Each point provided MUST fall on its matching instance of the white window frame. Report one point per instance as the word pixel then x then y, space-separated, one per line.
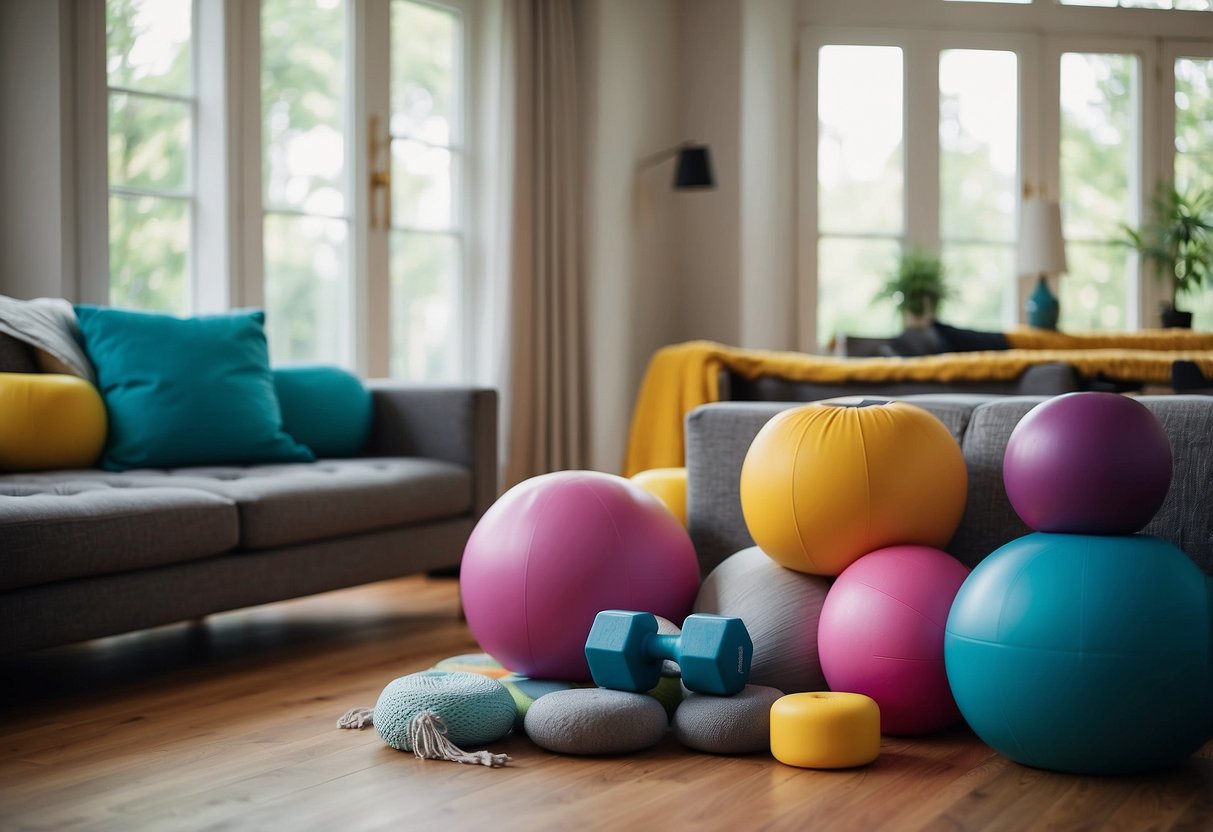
pixel 227 237
pixel 913 24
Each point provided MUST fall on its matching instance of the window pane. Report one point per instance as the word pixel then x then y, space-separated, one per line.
pixel 307 289
pixel 424 57
pixel 425 306
pixel 147 45
pixel 1093 294
pixel 1099 150
pixel 1193 120
pixel 860 166
pixel 1098 143
pixel 303 53
pixel 850 273
pixel 421 186
pixel 978 144
pixel 148 142
pixel 980 277
pixel 148 240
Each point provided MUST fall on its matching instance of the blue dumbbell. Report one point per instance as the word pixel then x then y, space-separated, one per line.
pixel 625 652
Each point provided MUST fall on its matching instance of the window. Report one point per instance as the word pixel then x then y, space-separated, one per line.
pixel 355 234
pixel 1092 107
pixel 305 185
pixel 1194 151
pixel 861 182
pixel 151 105
pixel 1100 113
pixel 427 241
pixel 979 181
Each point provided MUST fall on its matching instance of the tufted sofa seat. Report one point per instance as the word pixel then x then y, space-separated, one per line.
pixel 87 553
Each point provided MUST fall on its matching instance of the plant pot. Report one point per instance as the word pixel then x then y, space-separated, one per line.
pixel 909 320
pixel 1174 318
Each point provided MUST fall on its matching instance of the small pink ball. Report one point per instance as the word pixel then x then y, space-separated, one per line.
pixel 881 634
pixel 557 549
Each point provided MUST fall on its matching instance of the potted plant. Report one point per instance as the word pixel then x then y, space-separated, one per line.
pixel 1177 241
pixel 918 286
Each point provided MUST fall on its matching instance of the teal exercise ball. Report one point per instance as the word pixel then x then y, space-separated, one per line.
pixel 1084 653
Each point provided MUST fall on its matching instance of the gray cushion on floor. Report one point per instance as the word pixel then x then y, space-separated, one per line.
pixel 596 721
pixel 280 505
pixel 70 528
pixel 739 724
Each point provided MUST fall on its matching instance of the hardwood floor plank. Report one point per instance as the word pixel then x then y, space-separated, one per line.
pixel 231 725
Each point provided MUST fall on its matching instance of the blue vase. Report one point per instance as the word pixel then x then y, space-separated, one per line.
pixel 1042 307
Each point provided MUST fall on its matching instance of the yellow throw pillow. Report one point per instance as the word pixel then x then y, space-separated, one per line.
pixel 49 421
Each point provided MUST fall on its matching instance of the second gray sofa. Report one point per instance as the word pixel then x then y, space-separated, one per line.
pixel 718 436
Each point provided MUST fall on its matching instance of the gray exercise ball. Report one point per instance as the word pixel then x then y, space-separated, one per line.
pixel 780 608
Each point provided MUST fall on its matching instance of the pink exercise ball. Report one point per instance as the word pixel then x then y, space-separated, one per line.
pixel 555 550
pixel 881 634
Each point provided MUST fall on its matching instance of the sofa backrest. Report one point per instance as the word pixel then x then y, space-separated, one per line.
pixel 719 435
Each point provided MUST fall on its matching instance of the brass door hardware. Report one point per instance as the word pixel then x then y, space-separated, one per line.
pixel 380 178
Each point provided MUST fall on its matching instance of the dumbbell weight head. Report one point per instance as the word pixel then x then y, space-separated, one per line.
pixel 625 652
pixel 715 654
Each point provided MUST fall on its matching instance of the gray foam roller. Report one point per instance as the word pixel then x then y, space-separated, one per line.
pixel 780 608
pixel 596 721
pixel 738 724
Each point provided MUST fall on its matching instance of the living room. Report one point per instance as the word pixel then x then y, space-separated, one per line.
pixel 481 194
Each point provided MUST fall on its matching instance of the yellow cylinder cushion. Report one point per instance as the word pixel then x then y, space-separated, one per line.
pixel 49 421
pixel 825 729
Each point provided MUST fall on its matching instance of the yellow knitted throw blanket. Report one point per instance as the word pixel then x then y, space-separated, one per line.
pixel 681 377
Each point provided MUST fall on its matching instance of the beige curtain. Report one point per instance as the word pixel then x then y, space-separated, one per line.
pixel 546 394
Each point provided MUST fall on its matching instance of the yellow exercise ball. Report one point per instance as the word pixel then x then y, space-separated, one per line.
pixel 668 485
pixel 824 484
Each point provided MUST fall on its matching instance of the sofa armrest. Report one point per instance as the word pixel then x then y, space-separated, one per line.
pixel 452 424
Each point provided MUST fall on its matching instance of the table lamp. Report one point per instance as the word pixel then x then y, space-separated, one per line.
pixel 1042 251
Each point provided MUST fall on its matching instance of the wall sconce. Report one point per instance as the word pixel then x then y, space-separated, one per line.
pixel 693 170
pixel 1042 251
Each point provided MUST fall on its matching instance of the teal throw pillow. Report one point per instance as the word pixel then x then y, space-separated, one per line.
pixel 186 391
pixel 325 408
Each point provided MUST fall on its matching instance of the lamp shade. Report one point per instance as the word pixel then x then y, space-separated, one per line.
pixel 694 168
pixel 1042 249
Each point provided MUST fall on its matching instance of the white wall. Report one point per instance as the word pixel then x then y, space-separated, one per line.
pixel 767 267
pixel 628 79
pixel 37 191
pixel 709 232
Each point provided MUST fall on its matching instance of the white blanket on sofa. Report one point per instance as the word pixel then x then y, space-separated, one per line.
pixel 49 326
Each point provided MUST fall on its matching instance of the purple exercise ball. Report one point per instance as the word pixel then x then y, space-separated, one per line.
pixel 1088 463
pixel 557 549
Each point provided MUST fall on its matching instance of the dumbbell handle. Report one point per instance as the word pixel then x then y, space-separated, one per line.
pixel 663 646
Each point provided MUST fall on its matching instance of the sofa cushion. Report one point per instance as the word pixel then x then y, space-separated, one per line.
pixel 186 391
pixel 70 525
pixel 281 505
pixel 989 520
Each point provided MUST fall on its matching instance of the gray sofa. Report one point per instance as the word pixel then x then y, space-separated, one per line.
pixel 718 436
pixel 89 553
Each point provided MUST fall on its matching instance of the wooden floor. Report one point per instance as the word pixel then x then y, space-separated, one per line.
pixel 229 724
